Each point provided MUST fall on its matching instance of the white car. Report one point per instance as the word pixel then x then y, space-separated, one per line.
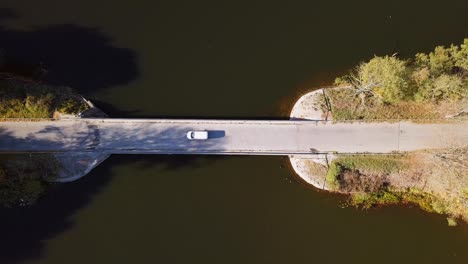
pixel 197 135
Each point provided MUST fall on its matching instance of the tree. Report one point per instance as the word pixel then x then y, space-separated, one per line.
pixel 444 87
pixel 461 55
pixel 438 62
pixel 382 77
pixel 443 60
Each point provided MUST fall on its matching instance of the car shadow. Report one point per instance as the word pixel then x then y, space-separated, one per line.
pixel 216 133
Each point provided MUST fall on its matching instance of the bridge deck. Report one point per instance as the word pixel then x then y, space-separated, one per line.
pixel 226 136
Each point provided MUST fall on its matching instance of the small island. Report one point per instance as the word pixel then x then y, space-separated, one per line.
pixel 427 88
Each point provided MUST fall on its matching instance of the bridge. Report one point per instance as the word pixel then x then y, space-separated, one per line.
pixel 226 137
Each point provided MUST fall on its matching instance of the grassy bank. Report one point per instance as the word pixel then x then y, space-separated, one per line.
pixel 346 106
pixel 363 173
pixel 436 181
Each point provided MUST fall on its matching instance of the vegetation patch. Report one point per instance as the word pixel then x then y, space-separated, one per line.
pixel 434 180
pixel 451 221
pixel 386 196
pixel 334 172
pixel 19 99
pixel 374 164
pixel 359 173
pixel 24 177
pixel 429 86
pixel 346 106
pixel 368 200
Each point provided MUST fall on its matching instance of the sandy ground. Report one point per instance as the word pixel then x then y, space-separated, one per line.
pixel 311 170
pixel 308 107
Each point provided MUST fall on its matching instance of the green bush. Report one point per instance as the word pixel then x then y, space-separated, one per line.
pixel 443 60
pixel 451 221
pixel 425 201
pixel 390 78
pixel 437 77
pixel 438 62
pixel 461 55
pixel 367 200
pixel 387 87
pixel 72 106
pixel 445 87
pixel 333 173
pixel 417 197
pixel 25 100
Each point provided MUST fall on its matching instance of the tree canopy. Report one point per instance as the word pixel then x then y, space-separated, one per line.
pixel 388 76
pixel 433 77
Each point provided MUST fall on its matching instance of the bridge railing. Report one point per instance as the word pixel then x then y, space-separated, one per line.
pixel 233 121
pixel 7 119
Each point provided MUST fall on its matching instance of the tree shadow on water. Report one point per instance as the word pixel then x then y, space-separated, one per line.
pixel 80 57
pixel 26 230
pixel 86 60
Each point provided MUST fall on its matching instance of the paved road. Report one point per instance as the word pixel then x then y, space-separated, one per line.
pixel 167 136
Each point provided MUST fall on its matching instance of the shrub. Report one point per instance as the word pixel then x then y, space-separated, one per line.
pixel 444 87
pixel 390 75
pixel 72 106
pixel 390 88
pixel 24 100
pixel 367 200
pixel 451 221
pixel 461 55
pixel 24 177
pixel 333 173
pixel 438 62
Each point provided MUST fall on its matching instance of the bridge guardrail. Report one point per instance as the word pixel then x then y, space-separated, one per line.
pixel 175 120
pixel 8 119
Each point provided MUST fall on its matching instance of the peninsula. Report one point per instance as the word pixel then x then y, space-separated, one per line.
pixel 431 88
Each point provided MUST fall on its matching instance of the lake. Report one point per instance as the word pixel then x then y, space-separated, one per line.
pixel 216 59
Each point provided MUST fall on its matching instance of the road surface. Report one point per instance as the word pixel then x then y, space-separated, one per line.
pixel 226 137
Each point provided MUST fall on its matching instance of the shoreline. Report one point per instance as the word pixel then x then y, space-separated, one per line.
pixel 431 191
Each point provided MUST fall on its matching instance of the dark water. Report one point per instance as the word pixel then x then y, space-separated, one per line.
pixel 215 59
